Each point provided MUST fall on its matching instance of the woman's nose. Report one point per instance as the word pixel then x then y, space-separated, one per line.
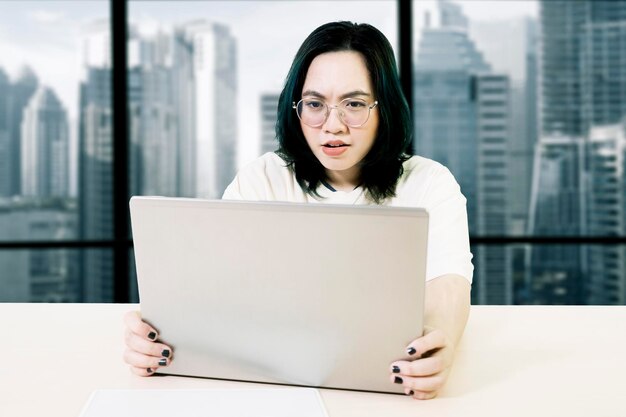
pixel 333 121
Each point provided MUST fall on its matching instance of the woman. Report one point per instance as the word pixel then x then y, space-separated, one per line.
pixel 344 133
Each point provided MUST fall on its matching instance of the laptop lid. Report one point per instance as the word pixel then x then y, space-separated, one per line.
pixel 301 294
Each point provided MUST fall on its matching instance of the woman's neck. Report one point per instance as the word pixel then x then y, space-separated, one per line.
pixel 346 180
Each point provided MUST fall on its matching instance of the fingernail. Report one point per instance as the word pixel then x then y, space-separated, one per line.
pixel 166 353
pixel 410 393
pixel 395 369
pixel 411 350
pixel 152 336
pixel 398 380
pixel 149 370
pixel 163 362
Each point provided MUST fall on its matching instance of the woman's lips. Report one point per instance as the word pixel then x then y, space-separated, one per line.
pixel 334 148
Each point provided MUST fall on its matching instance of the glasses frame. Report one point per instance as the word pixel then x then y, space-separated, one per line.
pixel 329 107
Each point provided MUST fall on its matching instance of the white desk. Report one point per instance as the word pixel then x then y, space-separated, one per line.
pixel 513 361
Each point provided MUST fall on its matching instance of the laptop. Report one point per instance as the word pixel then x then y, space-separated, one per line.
pixel 312 295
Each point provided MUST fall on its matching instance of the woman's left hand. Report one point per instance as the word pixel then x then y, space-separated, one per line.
pixel 427 372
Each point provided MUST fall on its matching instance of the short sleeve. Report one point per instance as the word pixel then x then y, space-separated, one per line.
pixel 448 235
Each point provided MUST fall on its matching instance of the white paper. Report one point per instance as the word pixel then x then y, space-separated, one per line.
pixel 287 402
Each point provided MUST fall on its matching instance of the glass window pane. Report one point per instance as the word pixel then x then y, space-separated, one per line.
pixel 204 79
pixel 56 275
pixel 531 126
pixel 552 274
pixel 55 128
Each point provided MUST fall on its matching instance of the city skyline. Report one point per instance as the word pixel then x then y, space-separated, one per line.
pixel 528 162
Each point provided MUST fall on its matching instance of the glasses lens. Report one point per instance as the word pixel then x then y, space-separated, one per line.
pixel 312 112
pixel 354 112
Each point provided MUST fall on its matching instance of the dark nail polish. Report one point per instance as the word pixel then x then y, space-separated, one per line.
pixel 152 336
pixel 398 380
pixel 149 370
pixel 411 350
pixel 165 353
pixel 410 393
pixel 395 369
pixel 163 362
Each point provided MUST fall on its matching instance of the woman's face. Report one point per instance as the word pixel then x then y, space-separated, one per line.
pixel 331 78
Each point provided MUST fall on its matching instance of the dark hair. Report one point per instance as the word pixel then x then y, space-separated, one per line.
pixel 382 166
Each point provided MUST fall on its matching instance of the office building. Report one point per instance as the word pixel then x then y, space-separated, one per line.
pixel 606 213
pixel 462 120
pixel 15 96
pixel 45 146
pixel 493 262
pixel 556 272
pixel 269 116
pixel 39 275
pixel 209 154
pixel 5 134
pixel 511 47
pixel 583 75
pixel 182 90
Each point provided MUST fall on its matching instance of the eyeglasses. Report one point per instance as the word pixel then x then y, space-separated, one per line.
pixel 352 112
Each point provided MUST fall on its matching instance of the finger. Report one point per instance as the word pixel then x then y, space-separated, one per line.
pixel 143 371
pixel 430 341
pixel 138 344
pixel 421 395
pixel 138 326
pixel 424 384
pixel 140 360
pixel 419 367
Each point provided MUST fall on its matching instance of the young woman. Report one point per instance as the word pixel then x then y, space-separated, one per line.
pixel 344 132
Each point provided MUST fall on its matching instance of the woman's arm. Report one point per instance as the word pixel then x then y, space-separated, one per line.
pixel 447 302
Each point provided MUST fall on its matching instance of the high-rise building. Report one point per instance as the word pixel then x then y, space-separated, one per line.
pixel 45 146
pixel 96 183
pixel 606 213
pixel 269 116
pixel 20 93
pixel 583 76
pixel 555 272
pixel 210 155
pixel 494 268
pixel 95 164
pixel 5 135
pixel 462 120
pixel 511 47
pixel 182 89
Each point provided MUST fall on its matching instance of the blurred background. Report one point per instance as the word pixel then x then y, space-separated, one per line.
pixel 524 101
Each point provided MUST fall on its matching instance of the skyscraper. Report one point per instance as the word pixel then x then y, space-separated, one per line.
pixel 20 93
pixel 95 164
pixel 462 120
pixel 583 76
pixel 5 135
pixel 183 110
pixel 606 213
pixel 556 209
pixel 210 153
pixel 45 146
pixel 269 116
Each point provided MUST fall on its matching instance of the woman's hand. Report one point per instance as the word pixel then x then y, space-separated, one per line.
pixel 143 353
pixel 424 376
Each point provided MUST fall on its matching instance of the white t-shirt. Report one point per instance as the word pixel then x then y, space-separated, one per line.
pixel 425 183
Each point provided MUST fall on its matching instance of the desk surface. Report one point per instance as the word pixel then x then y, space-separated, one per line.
pixel 514 361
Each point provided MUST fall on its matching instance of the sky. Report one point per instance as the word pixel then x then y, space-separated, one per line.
pixel 46 36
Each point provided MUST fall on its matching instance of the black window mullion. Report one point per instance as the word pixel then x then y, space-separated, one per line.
pixel 405 41
pixel 121 287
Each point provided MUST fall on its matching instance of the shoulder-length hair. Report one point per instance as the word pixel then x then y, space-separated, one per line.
pixel 382 166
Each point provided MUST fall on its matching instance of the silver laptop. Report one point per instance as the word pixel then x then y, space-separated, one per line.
pixel 301 294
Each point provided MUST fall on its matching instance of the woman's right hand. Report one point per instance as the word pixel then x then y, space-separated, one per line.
pixel 143 352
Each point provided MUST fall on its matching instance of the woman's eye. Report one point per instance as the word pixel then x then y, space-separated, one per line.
pixel 314 104
pixel 355 104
